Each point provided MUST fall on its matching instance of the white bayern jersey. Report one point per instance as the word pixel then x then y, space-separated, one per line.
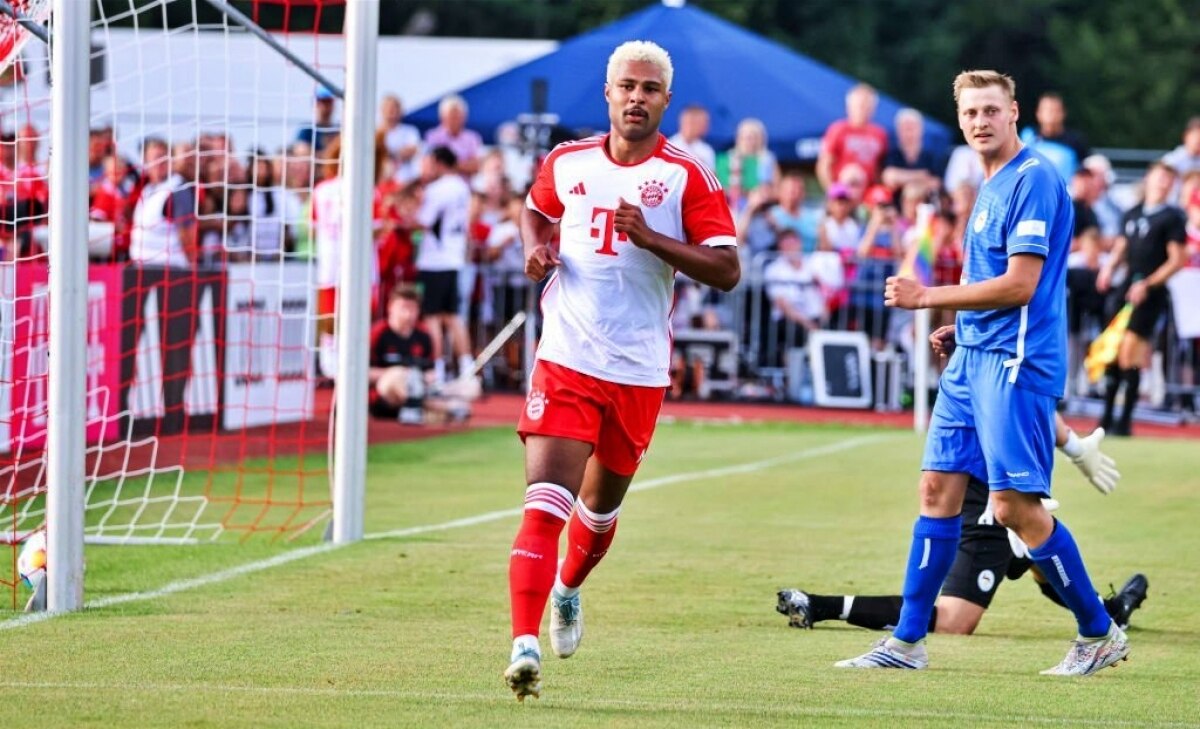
pixel 607 308
pixel 326 215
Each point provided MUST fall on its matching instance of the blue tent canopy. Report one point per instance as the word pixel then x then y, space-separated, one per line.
pixel 730 71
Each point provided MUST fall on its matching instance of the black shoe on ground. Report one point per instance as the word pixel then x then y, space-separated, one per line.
pixel 1122 604
pixel 795 605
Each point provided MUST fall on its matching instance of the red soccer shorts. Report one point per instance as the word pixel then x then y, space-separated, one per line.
pixel 618 420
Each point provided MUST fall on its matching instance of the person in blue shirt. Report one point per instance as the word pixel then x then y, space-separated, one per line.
pixel 994 415
pixel 1064 148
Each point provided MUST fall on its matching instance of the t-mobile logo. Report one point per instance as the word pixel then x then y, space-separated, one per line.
pixel 1062 573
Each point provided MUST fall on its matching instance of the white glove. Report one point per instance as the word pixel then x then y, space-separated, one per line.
pixel 1019 548
pixel 1099 468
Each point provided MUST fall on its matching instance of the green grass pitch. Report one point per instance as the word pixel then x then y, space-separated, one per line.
pixel 412 631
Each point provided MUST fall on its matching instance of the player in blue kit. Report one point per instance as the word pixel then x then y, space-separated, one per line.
pixel 994 416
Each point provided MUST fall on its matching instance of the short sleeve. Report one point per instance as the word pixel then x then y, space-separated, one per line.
pixel 182 206
pixel 543 196
pixel 831 143
pixel 376 334
pixel 1032 213
pixel 1177 228
pixel 431 207
pixel 706 217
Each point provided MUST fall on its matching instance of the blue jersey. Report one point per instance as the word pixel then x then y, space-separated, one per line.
pixel 1023 209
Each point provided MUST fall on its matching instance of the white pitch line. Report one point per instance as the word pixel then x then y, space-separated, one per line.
pixel 306 552
pixel 646 485
pixel 678 704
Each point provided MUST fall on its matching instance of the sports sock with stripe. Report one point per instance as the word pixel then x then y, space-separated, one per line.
pixel 589 535
pixel 1059 561
pixel 534 557
pixel 935 543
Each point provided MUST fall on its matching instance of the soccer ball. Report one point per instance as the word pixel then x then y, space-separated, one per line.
pixel 31 563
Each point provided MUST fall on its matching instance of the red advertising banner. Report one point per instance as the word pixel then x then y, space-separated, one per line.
pixel 30 356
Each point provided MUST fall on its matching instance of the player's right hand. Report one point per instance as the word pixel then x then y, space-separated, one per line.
pixel 942 340
pixel 1100 469
pixel 539 262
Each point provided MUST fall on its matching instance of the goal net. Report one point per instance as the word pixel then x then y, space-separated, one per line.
pixel 207 414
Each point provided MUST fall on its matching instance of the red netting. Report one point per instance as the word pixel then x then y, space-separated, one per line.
pixel 208 415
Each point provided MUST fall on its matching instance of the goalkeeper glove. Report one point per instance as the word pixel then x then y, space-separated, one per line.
pixel 1019 548
pixel 1100 469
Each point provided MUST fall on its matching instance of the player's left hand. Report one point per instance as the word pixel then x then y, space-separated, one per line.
pixel 903 293
pixel 630 221
pixel 1100 469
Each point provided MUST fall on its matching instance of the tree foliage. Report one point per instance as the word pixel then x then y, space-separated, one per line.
pixel 1127 69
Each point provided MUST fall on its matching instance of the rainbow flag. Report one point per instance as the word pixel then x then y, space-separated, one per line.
pixel 918 262
pixel 1103 349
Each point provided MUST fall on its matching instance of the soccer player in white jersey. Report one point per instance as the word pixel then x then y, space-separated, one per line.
pixel 631 209
pixel 994 417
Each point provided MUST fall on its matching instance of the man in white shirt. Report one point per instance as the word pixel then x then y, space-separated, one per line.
pixel 693 126
pixel 403 141
pixel 444 215
pixel 163 231
pixel 631 209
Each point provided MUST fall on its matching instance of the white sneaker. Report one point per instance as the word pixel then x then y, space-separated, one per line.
pixel 566 624
pixel 1088 655
pixel 890 653
pixel 524 673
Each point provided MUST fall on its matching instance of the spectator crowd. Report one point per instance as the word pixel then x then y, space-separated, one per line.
pixel 816 247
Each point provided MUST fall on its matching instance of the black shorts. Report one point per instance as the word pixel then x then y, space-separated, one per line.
pixel 380 408
pixel 439 292
pixel 1143 321
pixel 984 555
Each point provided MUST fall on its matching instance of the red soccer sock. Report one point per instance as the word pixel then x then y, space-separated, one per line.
pixel 588 539
pixel 534 557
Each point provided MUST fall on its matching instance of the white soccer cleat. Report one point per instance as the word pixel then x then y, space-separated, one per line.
pixel 890 653
pixel 566 624
pixel 1088 655
pixel 524 673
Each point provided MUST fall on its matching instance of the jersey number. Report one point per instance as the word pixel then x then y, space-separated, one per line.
pixel 602 230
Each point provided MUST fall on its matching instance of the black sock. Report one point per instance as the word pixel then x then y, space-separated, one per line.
pixel 875 612
pixel 1112 607
pixel 1133 382
pixel 825 607
pixel 1050 593
pixel 1112 383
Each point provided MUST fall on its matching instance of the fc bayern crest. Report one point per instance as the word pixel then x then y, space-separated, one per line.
pixel 535 405
pixel 653 193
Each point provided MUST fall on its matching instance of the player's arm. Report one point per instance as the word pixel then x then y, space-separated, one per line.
pixel 537 233
pixel 716 266
pixel 1015 287
pixel 1176 257
pixel 543 210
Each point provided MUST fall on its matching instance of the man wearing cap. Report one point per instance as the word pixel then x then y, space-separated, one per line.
pixel 323 129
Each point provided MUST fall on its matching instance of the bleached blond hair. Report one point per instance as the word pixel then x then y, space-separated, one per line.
pixel 644 51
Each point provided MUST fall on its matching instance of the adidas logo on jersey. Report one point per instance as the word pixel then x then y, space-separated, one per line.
pixel 578 189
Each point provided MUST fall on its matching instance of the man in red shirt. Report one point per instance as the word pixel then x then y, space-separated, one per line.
pixel 631 210
pixel 853 139
pixel 113 201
